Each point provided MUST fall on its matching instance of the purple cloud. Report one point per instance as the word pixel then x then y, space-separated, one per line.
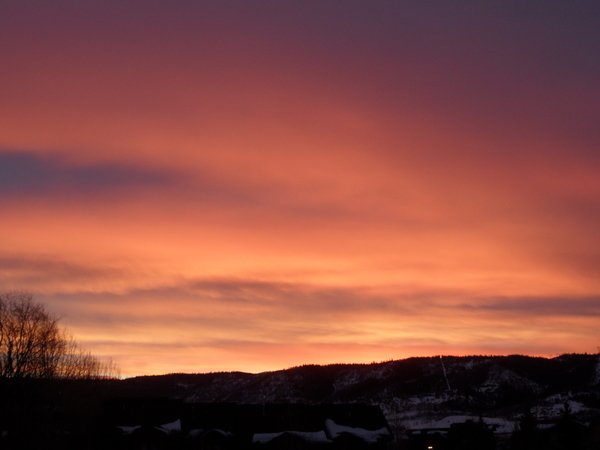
pixel 28 173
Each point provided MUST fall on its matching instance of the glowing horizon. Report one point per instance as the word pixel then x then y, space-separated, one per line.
pixel 196 187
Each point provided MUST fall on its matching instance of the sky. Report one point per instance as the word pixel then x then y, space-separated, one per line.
pixel 202 186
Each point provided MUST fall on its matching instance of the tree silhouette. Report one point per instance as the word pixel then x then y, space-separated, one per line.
pixel 33 345
pixel 527 435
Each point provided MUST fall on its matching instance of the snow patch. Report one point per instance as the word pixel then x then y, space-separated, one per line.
pixel 498 424
pixel 369 436
pixel 316 437
pixel 350 378
pixel 554 406
pixel 197 432
pixel 499 376
pixel 171 427
pixel 430 399
pixel 126 429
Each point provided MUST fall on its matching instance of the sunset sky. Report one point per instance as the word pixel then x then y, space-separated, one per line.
pixel 251 185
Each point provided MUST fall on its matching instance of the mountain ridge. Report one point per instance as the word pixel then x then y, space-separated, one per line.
pixel 478 383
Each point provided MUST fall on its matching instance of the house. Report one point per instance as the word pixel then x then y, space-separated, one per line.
pixel 227 426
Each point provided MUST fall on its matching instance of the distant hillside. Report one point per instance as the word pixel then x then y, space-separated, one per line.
pixel 477 383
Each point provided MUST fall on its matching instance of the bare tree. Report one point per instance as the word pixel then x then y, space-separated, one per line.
pixel 33 345
pixel 77 362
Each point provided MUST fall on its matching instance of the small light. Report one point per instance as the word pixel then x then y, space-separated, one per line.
pixel 430 447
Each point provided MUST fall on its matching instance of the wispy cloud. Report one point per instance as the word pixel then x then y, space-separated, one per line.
pixel 247 318
pixel 29 173
pixel 44 274
pixel 567 306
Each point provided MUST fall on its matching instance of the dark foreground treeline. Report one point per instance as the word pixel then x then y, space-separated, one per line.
pixel 81 414
pixel 162 423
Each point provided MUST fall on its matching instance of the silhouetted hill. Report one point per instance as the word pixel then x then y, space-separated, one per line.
pixel 487 380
